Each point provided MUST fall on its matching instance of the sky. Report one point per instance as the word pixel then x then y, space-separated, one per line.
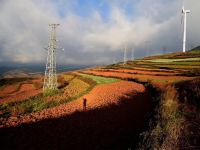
pixel 94 32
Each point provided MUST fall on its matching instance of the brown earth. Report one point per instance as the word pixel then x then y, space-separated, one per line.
pixel 100 96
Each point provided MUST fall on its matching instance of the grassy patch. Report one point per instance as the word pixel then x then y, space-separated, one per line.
pixel 32 104
pixel 169 120
pixel 51 92
pixel 69 77
pixel 100 80
pixel 75 87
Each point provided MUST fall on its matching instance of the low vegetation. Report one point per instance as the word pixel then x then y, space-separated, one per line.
pixel 11 81
pixel 177 118
pixel 100 80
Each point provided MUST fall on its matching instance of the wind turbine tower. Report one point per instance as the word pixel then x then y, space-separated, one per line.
pixel 132 54
pixel 125 55
pixel 50 79
pixel 184 12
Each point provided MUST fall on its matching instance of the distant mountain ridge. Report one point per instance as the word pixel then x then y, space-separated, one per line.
pixel 193 53
pixel 33 71
pixel 16 74
pixel 195 49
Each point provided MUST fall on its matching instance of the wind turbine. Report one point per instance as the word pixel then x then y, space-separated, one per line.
pixel 147 47
pixel 132 54
pixel 184 13
pixel 125 55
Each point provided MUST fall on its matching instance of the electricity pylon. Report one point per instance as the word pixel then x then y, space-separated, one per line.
pixel 50 79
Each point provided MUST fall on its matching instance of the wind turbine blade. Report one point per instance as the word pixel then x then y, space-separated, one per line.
pixel 183 9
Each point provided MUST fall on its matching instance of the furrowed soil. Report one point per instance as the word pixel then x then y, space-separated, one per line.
pixel 115 115
pixel 25 91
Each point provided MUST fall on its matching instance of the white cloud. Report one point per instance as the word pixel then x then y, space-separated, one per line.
pixel 24 29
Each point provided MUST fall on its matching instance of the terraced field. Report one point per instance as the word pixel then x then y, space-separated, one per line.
pixel 24 100
pixel 157 80
pixel 13 90
pixel 187 64
pixel 109 105
pixel 99 97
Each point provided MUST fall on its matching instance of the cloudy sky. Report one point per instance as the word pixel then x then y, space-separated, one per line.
pixel 94 31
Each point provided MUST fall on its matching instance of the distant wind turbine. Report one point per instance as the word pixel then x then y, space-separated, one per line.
pixel 184 17
pixel 125 55
pixel 147 47
pixel 132 54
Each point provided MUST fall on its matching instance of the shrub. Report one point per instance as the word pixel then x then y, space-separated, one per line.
pixel 62 82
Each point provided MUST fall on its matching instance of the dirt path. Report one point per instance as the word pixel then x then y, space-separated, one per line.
pixel 100 96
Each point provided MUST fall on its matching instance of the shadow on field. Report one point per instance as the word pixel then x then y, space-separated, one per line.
pixel 111 127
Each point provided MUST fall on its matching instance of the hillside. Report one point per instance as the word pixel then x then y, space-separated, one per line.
pixel 193 53
pixel 183 63
pixel 177 77
pixel 19 73
pixel 196 49
pixel 152 102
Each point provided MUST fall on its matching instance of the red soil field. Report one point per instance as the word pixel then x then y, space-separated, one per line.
pixel 26 87
pixel 25 91
pixel 7 90
pixel 100 96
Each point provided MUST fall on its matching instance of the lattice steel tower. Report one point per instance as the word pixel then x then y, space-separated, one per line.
pixel 50 79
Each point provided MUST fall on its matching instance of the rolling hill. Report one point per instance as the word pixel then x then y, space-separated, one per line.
pixel 153 102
